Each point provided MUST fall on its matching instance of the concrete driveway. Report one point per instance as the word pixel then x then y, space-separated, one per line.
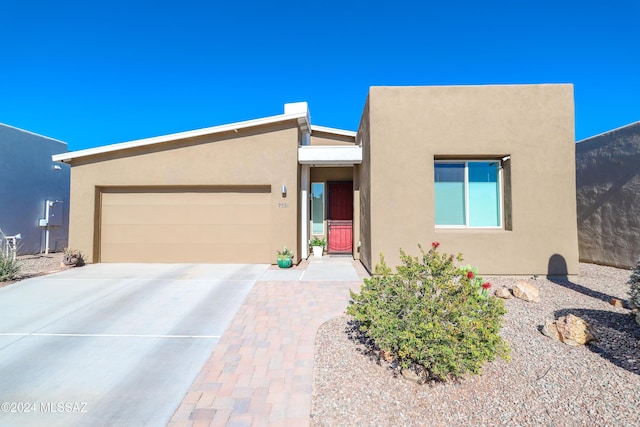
pixel 112 344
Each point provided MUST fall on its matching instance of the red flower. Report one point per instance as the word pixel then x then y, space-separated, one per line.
pixel 470 275
pixel 435 245
pixel 486 285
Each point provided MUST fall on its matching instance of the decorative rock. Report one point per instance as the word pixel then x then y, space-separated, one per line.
pixel 526 291
pixel 616 302
pixel 386 356
pixel 503 293
pixel 70 260
pixel 574 331
pixel 638 319
pixel 549 329
pixel 409 375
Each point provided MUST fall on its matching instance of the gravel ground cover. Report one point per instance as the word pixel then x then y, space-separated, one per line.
pixel 547 383
pixel 37 265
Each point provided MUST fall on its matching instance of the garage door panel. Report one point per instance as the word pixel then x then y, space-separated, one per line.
pixel 163 225
pixel 194 214
pixel 186 253
pixel 194 233
pixel 178 197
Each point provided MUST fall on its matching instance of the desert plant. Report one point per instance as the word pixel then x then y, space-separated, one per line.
pixel 285 253
pixel 634 283
pixel 72 257
pixel 431 315
pixel 9 267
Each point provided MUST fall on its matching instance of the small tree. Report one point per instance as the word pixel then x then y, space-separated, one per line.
pixel 431 314
pixel 634 282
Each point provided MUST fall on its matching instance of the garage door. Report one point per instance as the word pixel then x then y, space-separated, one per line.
pixel 225 225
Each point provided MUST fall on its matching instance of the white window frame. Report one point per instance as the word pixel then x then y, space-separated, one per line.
pixel 466 194
pixel 324 207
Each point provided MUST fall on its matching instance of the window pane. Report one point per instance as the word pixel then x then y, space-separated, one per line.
pixel 484 197
pixel 317 208
pixel 449 193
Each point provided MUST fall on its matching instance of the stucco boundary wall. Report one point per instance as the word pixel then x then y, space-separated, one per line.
pixel 608 197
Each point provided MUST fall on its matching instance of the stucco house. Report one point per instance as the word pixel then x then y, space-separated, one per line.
pixel 608 197
pixel 34 191
pixel 481 169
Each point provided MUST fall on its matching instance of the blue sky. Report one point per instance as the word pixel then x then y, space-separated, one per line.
pixel 99 72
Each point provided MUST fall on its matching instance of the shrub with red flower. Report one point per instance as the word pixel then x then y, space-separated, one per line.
pixel 470 273
pixel 431 314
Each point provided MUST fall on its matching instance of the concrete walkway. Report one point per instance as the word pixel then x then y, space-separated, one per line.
pixel 261 371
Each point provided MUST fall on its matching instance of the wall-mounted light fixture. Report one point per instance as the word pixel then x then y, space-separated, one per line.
pixel 284 190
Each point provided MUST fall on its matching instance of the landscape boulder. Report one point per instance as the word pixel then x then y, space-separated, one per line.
pixel 549 329
pixel 410 375
pixel 526 291
pixel 569 329
pixel 503 292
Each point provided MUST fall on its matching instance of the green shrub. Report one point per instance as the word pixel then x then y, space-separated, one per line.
pixel 431 315
pixel 9 268
pixel 634 281
pixel 318 241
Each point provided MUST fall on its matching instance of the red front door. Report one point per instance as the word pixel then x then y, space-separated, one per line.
pixel 340 217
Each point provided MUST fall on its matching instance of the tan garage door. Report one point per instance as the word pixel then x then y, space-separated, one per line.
pixel 225 225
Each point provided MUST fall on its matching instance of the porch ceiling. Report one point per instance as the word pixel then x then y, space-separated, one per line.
pixel 328 155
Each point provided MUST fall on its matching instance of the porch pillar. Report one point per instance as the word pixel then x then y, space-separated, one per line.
pixel 305 186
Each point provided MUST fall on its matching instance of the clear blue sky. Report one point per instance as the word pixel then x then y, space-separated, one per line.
pixel 99 72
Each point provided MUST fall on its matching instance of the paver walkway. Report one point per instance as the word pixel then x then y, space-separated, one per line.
pixel 261 370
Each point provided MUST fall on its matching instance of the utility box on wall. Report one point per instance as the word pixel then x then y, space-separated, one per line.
pixel 54 211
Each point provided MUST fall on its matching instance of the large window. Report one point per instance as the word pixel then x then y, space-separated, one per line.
pixel 317 208
pixel 467 194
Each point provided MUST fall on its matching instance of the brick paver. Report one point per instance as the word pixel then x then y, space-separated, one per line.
pixel 261 371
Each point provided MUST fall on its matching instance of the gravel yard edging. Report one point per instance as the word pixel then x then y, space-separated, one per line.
pixel 546 383
pixel 37 265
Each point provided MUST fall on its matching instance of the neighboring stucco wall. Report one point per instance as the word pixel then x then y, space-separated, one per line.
pixel 608 197
pixel 265 155
pixel 321 138
pixel 409 127
pixel 28 179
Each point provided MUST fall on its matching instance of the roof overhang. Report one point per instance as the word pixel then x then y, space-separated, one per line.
pixel 330 155
pixel 300 116
pixel 333 131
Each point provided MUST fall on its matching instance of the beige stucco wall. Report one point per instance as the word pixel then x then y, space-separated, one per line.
pixel 259 156
pixel 325 174
pixel 363 139
pixel 608 197
pixel 322 138
pixel 406 128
